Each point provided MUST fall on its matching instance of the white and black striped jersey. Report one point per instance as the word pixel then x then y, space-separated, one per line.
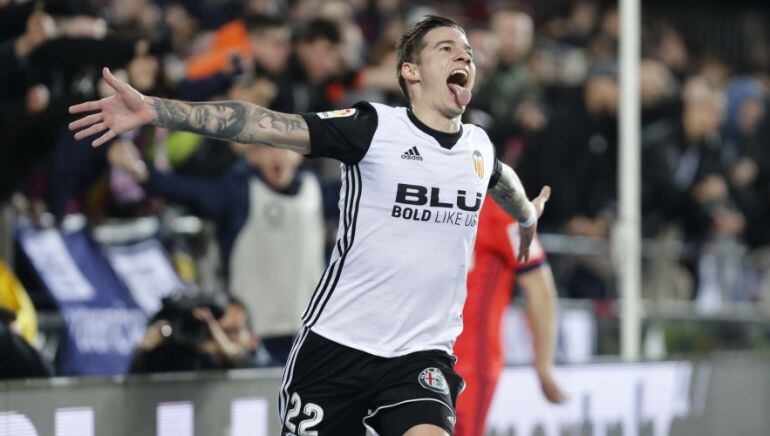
pixel 409 207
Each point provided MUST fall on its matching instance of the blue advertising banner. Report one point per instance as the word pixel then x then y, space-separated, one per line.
pixel 103 321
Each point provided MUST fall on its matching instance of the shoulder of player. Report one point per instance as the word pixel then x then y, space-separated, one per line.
pixel 477 129
pixel 479 133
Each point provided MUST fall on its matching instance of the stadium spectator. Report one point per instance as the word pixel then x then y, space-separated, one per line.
pixel 269 221
pixel 510 93
pixel 746 155
pixel 581 140
pixel 685 171
pixel 317 61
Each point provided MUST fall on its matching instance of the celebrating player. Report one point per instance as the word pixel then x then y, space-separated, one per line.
pixel 479 347
pixel 375 352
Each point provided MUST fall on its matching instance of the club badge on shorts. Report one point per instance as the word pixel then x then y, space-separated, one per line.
pixel 433 379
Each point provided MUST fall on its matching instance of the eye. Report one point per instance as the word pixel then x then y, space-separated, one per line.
pixel 445 48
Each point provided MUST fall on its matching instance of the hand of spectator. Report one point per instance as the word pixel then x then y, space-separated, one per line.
pixel 550 388
pixel 712 188
pixel 527 234
pixel 744 172
pixel 155 335
pixel 226 348
pixel 38 98
pixel 124 155
pixel 40 28
pixel 118 113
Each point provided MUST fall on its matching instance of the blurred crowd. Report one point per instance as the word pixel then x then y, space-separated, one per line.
pixel 546 92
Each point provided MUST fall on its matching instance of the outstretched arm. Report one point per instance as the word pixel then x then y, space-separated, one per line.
pixel 227 120
pixel 509 193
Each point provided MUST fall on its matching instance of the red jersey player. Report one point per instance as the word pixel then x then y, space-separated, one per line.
pixel 490 283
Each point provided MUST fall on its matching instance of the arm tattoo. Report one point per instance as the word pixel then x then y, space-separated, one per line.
pixel 509 194
pixel 233 121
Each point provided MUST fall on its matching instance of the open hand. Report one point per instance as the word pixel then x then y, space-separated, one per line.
pixel 118 113
pixel 527 234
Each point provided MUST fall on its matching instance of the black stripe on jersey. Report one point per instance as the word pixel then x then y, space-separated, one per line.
pixel 324 289
pixel 346 215
pixel 355 171
pixel 323 282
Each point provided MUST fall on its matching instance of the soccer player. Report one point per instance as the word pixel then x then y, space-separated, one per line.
pixel 479 348
pixel 375 352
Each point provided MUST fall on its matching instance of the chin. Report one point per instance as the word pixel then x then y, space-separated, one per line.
pixel 453 110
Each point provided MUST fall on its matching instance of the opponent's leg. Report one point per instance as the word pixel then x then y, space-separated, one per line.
pixel 473 405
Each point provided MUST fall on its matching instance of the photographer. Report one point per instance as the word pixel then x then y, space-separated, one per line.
pixel 196 334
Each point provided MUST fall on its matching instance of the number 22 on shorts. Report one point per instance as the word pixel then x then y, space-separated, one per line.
pixel 314 412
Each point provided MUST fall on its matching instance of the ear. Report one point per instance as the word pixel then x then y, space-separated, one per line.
pixel 409 72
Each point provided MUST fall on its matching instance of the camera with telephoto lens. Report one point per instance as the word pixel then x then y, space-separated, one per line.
pixel 186 329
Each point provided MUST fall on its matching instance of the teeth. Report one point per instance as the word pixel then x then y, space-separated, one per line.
pixel 460 72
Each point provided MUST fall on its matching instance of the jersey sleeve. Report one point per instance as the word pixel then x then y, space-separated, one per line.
pixel 497 170
pixel 343 134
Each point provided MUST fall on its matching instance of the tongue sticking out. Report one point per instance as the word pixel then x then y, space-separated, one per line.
pixel 462 95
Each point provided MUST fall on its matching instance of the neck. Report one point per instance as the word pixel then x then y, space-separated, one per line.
pixel 435 119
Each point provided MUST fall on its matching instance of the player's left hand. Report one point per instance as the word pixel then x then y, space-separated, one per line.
pixel 551 389
pixel 527 234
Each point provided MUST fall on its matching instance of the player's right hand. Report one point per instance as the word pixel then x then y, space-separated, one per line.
pixel 118 113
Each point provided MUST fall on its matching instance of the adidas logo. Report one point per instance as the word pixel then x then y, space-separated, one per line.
pixel 412 154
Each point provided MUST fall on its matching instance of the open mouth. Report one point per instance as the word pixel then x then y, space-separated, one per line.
pixel 456 83
pixel 458 77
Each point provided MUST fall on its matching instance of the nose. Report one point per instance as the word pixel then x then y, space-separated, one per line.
pixel 463 56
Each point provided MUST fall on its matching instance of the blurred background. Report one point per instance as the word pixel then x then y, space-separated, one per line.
pixel 128 259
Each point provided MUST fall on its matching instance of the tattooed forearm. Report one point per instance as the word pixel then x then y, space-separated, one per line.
pixel 224 120
pixel 282 123
pixel 509 194
pixel 233 121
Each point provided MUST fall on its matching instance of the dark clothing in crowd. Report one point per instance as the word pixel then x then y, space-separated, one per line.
pixel 672 166
pixel 170 357
pixel 19 359
pixel 576 156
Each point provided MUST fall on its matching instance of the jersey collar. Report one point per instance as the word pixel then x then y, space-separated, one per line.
pixel 444 139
